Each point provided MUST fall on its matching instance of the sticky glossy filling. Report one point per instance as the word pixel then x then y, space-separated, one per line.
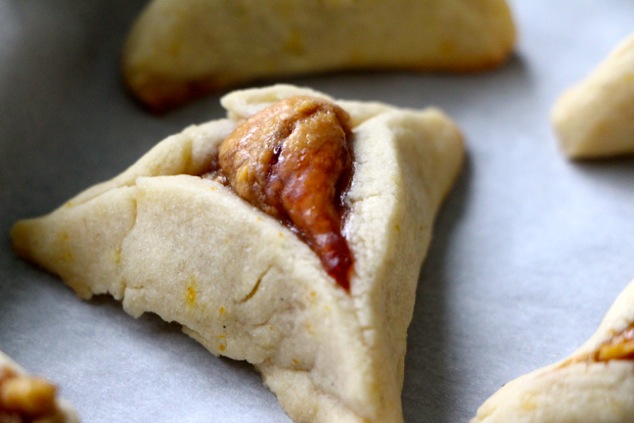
pixel 619 347
pixel 294 161
pixel 25 398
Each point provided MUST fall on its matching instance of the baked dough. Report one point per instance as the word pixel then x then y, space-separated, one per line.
pixel 595 384
pixel 24 398
pixel 595 118
pixel 163 239
pixel 179 49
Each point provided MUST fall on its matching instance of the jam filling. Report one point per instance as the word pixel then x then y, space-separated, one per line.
pixel 619 347
pixel 294 161
pixel 25 398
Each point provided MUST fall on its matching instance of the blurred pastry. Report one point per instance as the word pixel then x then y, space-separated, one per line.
pixel 25 398
pixel 595 384
pixel 181 49
pixel 595 118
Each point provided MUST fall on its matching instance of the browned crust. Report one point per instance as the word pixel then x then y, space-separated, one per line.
pixel 162 94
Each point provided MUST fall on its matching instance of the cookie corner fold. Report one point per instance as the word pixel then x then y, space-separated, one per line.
pixel 591 385
pixel 595 117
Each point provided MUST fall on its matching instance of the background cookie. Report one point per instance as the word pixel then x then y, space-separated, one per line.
pixel 594 384
pixel 595 118
pixel 181 49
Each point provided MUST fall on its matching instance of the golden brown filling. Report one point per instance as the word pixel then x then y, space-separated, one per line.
pixel 619 347
pixel 294 161
pixel 25 398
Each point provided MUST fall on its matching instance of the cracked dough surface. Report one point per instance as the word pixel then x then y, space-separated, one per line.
pixel 595 118
pixel 179 49
pixel 576 389
pixel 162 239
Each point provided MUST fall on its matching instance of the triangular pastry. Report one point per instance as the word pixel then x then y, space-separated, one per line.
pixel 171 236
pixel 180 49
pixel 595 384
pixel 595 118
pixel 26 398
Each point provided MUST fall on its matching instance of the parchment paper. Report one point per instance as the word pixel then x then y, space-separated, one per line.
pixel 529 250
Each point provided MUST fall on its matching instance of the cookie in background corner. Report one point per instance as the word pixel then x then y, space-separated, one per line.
pixel 594 384
pixel 595 118
pixel 179 50
pixel 26 398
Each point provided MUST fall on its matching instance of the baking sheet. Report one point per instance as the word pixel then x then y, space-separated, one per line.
pixel 529 250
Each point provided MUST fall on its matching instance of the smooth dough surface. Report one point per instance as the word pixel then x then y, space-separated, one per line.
pixel 179 49
pixel 595 118
pixel 162 239
pixel 65 412
pixel 576 389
